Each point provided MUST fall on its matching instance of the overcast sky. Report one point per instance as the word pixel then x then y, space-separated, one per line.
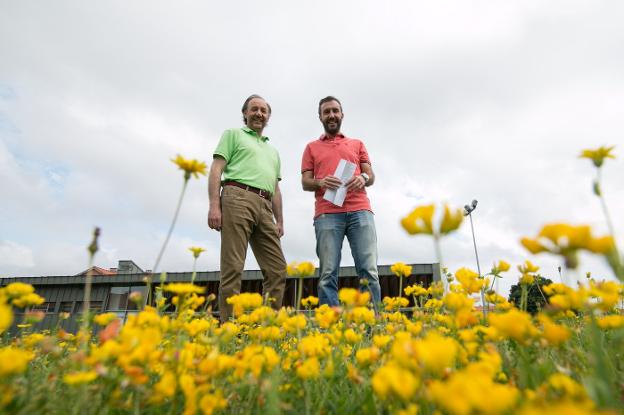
pixel 455 101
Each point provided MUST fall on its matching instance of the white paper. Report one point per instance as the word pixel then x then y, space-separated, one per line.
pixel 344 171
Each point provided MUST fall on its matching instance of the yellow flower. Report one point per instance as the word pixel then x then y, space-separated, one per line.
pixel 314 345
pixel 502 266
pixel 13 360
pixel 527 267
pixel 17 289
pixel 181 288
pixel 401 269
pixel 457 301
pixel 367 356
pixel 165 387
pixel 300 269
pixel 77 378
pixel 472 392
pixel 190 167
pixel 244 301
pixel 598 155
pixel 309 369
pixel 436 352
pixel 469 280
pixel 395 303
pixel 419 220
pixel 381 340
pixel 554 334
pixel 28 300
pixel 566 240
pixel 104 319
pixel 353 297
pixel 611 322
pixel 6 314
pixel 451 220
pixel 526 279
pixel 514 324
pixel 416 290
pixel 566 385
pixel 391 381
pixel 196 251
pixel 352 337
pixel 309 301
pixel 210 403
pixel 295 323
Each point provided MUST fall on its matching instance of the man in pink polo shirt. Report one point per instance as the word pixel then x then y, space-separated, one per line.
pixel 354 219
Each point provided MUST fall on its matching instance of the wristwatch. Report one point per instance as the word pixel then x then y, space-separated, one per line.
pixel 366 177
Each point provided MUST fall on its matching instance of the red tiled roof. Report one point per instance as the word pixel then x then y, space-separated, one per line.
pixel 97 271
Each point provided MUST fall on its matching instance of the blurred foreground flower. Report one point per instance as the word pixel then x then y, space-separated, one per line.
pixel 190 167
pixel 196 251
pixel 598 155
pixel 566 240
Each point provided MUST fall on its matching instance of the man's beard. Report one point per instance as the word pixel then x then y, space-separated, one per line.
pixel 332 130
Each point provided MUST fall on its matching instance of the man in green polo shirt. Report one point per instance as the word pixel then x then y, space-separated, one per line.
pixel 245 210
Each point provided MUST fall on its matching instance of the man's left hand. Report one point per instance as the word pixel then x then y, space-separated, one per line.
pixel 356 183
pixel 280 229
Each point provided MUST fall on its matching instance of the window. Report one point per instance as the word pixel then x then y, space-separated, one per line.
pixel 94 306
pixel 47 307
pixel 66 307
pixel 118 298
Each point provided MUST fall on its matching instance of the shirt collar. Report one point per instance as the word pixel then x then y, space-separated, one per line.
pixel 325 137
pixel 250 131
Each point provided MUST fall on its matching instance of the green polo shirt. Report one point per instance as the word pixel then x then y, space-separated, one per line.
pixel 250 159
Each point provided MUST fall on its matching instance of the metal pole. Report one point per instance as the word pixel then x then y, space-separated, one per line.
pixel 474 242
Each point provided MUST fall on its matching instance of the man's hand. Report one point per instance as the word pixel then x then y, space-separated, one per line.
pixel 356 183
pixel 330 182
pixel 214 218
pixel 280 229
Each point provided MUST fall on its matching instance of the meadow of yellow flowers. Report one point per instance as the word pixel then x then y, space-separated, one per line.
pixel 442 356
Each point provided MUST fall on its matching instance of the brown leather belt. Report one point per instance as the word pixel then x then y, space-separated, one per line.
pixel 262 193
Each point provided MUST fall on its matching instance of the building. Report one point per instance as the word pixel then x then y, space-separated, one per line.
pixel 111 289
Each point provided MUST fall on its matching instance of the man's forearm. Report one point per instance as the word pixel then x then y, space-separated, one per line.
pixel 214 186
pixel 310 184
pixel 277 206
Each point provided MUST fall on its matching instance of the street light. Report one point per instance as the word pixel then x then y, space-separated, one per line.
pixel 468 209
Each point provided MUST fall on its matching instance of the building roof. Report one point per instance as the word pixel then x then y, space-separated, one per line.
pixel 97 271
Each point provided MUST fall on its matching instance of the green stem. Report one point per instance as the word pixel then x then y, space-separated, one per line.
pixel 438 251
pixel 299 293
pixel 92 249
pixel 523 298
pixel 400 285
pixel 164 246
pixel 194 272
pixel 618 259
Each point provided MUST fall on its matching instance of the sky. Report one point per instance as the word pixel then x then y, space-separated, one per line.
pixel 455 101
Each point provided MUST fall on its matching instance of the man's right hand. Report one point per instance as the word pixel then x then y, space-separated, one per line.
pixel 329 182
pixel 214 218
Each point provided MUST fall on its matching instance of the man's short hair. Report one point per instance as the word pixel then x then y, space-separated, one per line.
pixel 246 104
pixel 328 98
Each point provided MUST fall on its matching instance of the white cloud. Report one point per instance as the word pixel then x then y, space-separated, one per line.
pixel 14 255
pixel 455 101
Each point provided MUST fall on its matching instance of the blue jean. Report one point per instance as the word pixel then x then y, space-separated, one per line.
pixel 359 228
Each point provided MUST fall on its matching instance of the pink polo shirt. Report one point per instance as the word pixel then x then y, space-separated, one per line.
pixel 322 156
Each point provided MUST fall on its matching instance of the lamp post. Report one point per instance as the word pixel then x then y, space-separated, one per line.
pixel 468 209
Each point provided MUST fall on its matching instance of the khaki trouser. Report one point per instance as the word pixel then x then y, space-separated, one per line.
pixel 248 219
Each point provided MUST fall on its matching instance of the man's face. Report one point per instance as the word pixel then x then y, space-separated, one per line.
pixel 257 114
pixel 331 117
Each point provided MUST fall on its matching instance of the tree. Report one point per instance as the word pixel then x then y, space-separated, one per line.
pixel 537 298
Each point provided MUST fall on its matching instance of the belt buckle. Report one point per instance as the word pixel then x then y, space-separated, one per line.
pixel 262 193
